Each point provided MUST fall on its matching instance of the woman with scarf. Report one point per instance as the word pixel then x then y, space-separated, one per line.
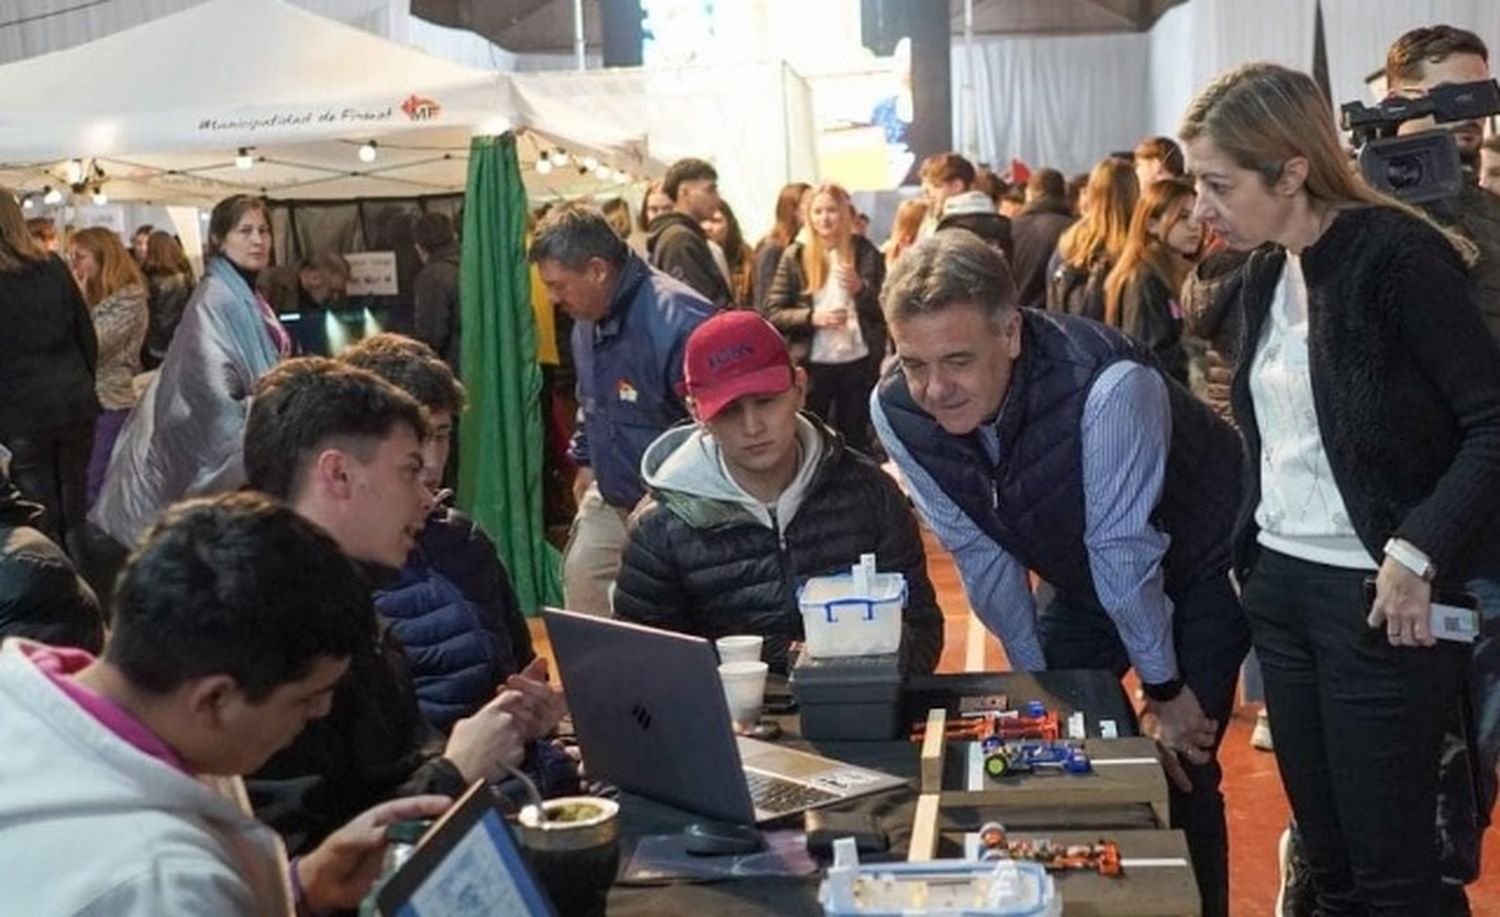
pixel 183 437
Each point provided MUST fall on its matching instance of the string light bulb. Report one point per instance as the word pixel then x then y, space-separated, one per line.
pixel 243 160
pixel 73 171
pixel 28 203
pixel 560 158
pixel 100 198
pixel 543 165
pixel 367 151
pixel 622 176
pixel 51 195
pixel 603 172
pixel 590 163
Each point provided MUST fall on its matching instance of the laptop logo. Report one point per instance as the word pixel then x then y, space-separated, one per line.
pixel 641 715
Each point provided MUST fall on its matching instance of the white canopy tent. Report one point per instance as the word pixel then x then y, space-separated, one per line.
pixel 301 94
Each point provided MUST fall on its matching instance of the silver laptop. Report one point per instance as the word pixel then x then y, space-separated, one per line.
pixel 651 717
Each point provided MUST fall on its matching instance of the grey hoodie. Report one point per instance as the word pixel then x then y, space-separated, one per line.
pixel 685 468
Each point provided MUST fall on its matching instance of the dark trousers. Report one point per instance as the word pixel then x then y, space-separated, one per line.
pixel 1211 639
pixel 839 393
pixel 50 467
pixel 1358 724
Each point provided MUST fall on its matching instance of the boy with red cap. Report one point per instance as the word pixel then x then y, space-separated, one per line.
pixel 755 497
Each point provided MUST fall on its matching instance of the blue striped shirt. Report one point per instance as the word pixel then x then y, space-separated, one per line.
pixel 1126 431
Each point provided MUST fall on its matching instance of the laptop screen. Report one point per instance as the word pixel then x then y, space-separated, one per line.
pixel 468 864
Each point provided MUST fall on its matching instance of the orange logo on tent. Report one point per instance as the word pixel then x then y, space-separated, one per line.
pixel 420 109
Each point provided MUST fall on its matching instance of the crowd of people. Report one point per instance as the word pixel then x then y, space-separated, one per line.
pixel 1216 394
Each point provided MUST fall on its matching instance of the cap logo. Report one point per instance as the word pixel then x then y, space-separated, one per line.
pixel 729 354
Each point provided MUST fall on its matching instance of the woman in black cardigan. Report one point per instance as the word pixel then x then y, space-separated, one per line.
pixel 1368 392
pixel 47 401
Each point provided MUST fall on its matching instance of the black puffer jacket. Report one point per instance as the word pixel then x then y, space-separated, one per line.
pixel 41 597
pixel 705 559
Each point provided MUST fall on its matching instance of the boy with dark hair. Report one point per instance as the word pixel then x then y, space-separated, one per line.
pixel 955 201
pixel 1036 231
pixel 234 623
pixel 676 241
pixel 451 605
pixel 344 449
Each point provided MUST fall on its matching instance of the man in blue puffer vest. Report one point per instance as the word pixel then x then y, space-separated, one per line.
pixel 1055 444
pixel 452 606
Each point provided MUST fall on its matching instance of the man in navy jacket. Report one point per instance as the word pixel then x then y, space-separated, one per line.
pixel 632 322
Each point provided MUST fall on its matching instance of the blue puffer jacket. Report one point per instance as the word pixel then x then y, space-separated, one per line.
pixel 455 628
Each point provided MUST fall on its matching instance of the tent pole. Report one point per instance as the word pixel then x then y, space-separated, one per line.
pixel 968 94
pixel 580 46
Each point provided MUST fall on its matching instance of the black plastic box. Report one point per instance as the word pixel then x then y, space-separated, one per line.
pixel 848 698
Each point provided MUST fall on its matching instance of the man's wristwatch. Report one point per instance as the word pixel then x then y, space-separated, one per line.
pixel 1163 691
pixel 1412 559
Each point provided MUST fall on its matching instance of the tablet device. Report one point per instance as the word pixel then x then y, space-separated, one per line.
pixel 469 864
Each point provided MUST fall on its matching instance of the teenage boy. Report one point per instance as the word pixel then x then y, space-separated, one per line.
pixel 119 786
pixel 756 497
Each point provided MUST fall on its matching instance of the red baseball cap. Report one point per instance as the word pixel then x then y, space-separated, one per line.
pixel 734 354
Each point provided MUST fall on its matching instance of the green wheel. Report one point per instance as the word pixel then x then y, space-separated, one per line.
pixel 996 765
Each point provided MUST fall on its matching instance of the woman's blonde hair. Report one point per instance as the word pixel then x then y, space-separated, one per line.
pixel 814 251
pixel 1104 216
pixel 1166 201
pixel 1261 115
pixel 19 249
pixel 117 270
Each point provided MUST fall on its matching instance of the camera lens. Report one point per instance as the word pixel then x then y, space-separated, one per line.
pixel 1405 171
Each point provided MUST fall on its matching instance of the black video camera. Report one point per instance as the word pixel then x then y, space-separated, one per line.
pixel 1418 167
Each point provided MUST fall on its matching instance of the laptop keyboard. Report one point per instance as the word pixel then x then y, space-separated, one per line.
pixel 777 794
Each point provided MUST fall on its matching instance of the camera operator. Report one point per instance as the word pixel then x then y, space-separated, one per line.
pixel 1419 61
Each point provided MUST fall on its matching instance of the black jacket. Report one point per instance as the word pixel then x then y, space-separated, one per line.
pixel 699 562
pixel 47 351
pixel 789 305
pixel 372 746
pixel 678 247
pixel 1475 212
pixel 1406 386
pixel 169 294
pixel 1035 232
pixel 435 294
pixel 1152 314
pixel 767 260
pixel 41 597
pixel 1075 291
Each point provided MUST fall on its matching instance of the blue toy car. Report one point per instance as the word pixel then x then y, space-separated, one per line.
pixel 1006 759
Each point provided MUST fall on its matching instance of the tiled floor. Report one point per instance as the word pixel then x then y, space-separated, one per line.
pixel 1257 808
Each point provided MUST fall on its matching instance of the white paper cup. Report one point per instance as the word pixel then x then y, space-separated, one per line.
pixel 744 691
pixel 741 648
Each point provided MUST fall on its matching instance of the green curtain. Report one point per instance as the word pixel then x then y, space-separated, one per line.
pixel 500 438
